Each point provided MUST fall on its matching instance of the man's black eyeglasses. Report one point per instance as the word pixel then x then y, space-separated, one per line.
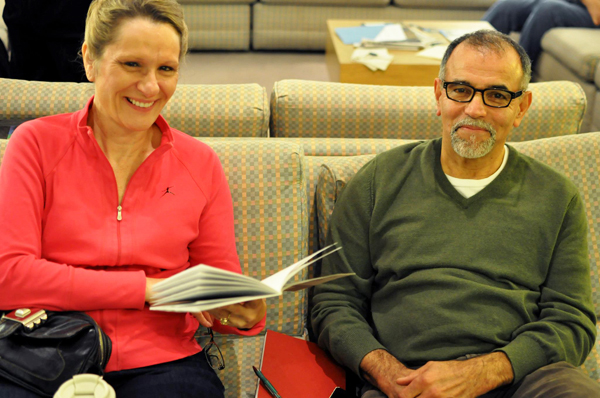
pixel 213 352
pixel 493 97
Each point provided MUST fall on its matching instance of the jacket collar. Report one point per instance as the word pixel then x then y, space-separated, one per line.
pixel 87 134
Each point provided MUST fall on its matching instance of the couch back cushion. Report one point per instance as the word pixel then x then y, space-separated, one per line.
pixel 301 108
pixel 576 156
pixel 224 110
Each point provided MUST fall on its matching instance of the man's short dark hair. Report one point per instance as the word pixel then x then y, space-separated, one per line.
pixel 494 41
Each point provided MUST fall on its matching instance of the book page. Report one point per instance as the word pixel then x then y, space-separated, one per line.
pixel 279 280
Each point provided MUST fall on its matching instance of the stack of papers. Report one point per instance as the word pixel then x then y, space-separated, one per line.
pixel 374 59
pixel 392 36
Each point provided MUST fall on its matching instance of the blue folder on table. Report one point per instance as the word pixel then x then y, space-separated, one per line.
pixel 354 34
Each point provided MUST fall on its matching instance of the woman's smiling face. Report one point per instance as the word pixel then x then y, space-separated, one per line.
pixel 135 76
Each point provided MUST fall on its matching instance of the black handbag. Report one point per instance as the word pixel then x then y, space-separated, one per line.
pixel 40 350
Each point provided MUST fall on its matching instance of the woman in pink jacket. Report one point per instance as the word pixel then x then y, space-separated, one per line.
pixel 98 205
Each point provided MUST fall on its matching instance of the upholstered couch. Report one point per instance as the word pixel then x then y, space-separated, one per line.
pixel 226 110
pixel 300 24
pixel 273 180
pixel 574 54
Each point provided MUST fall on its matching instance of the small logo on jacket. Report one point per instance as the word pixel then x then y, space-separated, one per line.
pixel 168 190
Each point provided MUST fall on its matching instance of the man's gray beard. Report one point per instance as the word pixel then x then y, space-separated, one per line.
pixel 470 148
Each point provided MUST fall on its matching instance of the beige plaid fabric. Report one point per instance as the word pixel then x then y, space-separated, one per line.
pixel 301 108
pixel 3 143
pixel 320 150
pixel 577 156
pixel 221 110
pixel 218 26
pixel 236 110
pixel 271 221
pixel 271 226
pixel 303 27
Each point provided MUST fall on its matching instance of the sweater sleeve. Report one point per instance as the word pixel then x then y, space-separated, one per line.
pixel 565 329
pixel 341 312
pixel 26 278
pixel 215 243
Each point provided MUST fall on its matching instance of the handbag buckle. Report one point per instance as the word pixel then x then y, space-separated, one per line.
pixel 28 317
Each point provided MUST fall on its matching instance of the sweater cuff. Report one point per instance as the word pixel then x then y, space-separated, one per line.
pixel 354 346
pixel 525 356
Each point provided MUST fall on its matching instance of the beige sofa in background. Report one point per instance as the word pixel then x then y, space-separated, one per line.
pixel 240 25
pixel 574 54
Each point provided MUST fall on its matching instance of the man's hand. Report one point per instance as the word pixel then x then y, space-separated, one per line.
pixel 593 7
pixel 382 370
pixel 458 379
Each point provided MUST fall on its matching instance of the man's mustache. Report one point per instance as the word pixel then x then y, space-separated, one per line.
pixel 475 123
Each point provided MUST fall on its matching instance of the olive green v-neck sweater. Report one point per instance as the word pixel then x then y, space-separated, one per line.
pixel 439 276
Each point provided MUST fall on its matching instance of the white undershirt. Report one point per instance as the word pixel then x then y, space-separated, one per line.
pixel 468 187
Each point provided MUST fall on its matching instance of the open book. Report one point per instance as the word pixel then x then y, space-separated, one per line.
pixel 202 288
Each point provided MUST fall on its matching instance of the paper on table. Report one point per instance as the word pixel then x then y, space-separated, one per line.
pixel 391 32
pixel 452 34
pixel 435 52
pixel 373 58
pixel 354 34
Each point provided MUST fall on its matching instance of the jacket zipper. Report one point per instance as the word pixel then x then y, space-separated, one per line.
pixel 119 218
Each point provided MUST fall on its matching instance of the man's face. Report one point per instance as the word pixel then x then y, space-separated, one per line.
pixel 473 128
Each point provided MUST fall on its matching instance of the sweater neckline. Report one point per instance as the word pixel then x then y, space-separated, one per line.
pixel 492 187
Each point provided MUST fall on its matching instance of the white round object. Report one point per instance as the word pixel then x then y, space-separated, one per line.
pixel 85 386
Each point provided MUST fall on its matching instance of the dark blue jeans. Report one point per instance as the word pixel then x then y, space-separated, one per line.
pixel 187 377
pixel 533 18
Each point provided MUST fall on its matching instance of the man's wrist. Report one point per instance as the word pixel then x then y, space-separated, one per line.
pixel 496 370
pixel 378 363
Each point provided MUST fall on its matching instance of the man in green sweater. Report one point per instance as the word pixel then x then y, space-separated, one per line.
pixel 471 261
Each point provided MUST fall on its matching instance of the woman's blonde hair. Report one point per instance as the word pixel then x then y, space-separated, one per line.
pixel 105 16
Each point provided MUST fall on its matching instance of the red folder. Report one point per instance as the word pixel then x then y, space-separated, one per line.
pixel 298 368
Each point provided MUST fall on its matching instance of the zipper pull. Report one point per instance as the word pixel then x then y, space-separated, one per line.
pixel 119 217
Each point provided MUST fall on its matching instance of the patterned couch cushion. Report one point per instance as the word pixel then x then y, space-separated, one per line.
pixel 321 150
pixel 301 108
pixel 236 110
pixel 576 156
pixel 271 221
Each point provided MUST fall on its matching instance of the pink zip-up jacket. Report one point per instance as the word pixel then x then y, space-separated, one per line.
pixel 66 244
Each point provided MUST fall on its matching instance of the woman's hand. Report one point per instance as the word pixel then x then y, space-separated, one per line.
pixel 241 316
pixel 149 283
